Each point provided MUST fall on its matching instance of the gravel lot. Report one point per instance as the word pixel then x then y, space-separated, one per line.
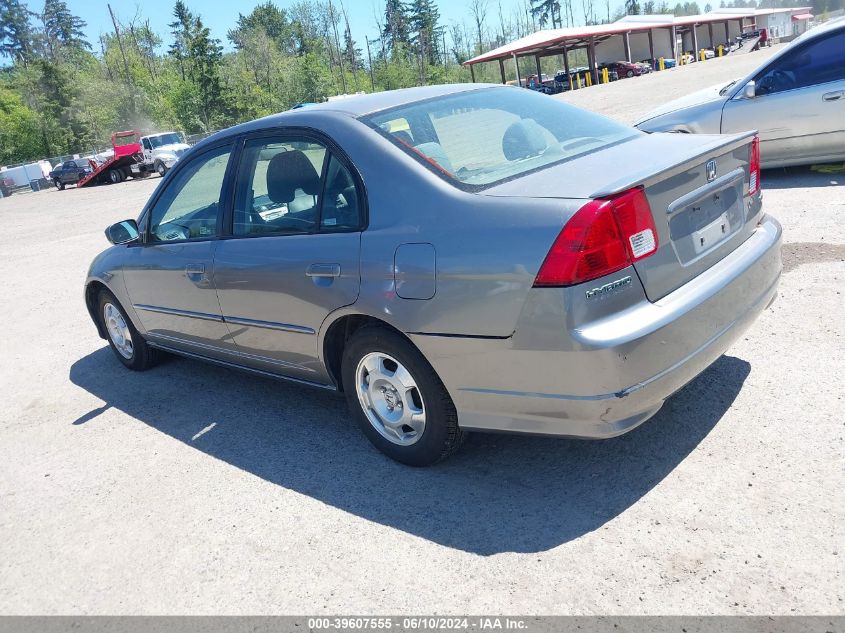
pixel 192 489
pixel 629 99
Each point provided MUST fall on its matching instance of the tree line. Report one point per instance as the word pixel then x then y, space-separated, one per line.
pixel 61 93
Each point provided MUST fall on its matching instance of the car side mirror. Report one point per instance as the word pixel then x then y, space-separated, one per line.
pixel 749 90
pixel 123 232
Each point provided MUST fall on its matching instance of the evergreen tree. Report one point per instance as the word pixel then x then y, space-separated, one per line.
pixel 423 17
pixel 62 29
pixel 632 7
pixel 395 34
pixel 206 55
pixel 352 53
pixel 180 28
pixel 546 10
pixel 17 37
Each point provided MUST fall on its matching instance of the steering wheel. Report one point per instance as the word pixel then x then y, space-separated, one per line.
pixel 172 231
pixel 779 80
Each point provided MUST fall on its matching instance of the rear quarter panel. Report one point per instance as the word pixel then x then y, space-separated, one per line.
pixel 487 250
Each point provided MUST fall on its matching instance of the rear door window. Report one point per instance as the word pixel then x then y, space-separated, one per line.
pixel 293 185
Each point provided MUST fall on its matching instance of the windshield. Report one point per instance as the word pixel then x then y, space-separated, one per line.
pixel 166 139
pixel 481 137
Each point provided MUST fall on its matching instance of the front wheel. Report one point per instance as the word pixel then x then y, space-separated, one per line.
pixel 59 184
pixel 397 398
pixel 161 168
pixel 629 74
pixel 124 340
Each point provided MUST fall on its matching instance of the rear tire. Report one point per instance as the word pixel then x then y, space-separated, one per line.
pixel 390 386
pixel 59 184
pixel 115 176
pixel 125 341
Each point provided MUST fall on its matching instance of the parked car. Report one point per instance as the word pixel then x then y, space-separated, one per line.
pixel 544 84
pixel 452 258
pixel 796 100
pixel 628 69
pixel 69 172
pixel 563 80
pixel 612 73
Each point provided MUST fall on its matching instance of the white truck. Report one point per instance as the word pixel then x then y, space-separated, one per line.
pixel 160 152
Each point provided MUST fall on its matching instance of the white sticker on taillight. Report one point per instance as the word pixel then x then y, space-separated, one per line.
pixel 642 243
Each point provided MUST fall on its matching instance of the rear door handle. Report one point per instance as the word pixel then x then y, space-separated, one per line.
pixel 195 269
pixel 323 270
pixel 832 96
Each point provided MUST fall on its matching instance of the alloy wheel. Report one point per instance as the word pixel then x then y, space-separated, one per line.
pixel 390 398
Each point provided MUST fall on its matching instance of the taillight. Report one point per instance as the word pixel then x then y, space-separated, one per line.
pixel 605 235
pixel 754 167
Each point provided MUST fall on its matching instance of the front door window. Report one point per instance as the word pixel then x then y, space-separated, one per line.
pixel 187 209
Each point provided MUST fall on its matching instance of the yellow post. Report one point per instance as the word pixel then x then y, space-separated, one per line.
pixel 605 76
pixel 720 50
pixel 570 82
pixel 701 55
pixel 578 77
pixel 662 64
pixel 589 78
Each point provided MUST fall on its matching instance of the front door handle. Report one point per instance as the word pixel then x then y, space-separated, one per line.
pixel 195 269
pixel 832 96
pixel 323 270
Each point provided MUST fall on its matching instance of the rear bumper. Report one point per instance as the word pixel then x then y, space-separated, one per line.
pixel 605 377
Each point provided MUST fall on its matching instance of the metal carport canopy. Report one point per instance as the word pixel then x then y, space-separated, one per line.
pixel 542 41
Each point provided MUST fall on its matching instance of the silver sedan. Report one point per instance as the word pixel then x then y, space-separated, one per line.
pixel 796 100
pixel 452 258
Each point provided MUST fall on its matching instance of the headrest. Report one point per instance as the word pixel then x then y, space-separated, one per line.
pixel 289 171
pixel 404 136
pixel 523 139
pixel 435 152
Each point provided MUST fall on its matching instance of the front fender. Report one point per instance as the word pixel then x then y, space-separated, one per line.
pixel 107 271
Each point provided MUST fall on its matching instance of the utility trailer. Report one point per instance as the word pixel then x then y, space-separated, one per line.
pixel 127 151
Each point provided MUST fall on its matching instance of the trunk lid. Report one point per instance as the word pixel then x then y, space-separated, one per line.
pixel 700 215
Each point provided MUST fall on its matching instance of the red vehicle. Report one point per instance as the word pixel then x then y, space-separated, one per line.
pixel 627 69
pixel 127 150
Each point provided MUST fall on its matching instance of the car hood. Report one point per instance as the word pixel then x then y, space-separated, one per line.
pixel 172 148
pixel 696 98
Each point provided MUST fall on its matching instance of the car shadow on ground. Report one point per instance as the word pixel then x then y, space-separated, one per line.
pixel 802 177
pixel 498 494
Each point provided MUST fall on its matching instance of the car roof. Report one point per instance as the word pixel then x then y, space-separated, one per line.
pixel 354 106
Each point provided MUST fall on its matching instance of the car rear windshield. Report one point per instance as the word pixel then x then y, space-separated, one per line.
pixel 482 137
